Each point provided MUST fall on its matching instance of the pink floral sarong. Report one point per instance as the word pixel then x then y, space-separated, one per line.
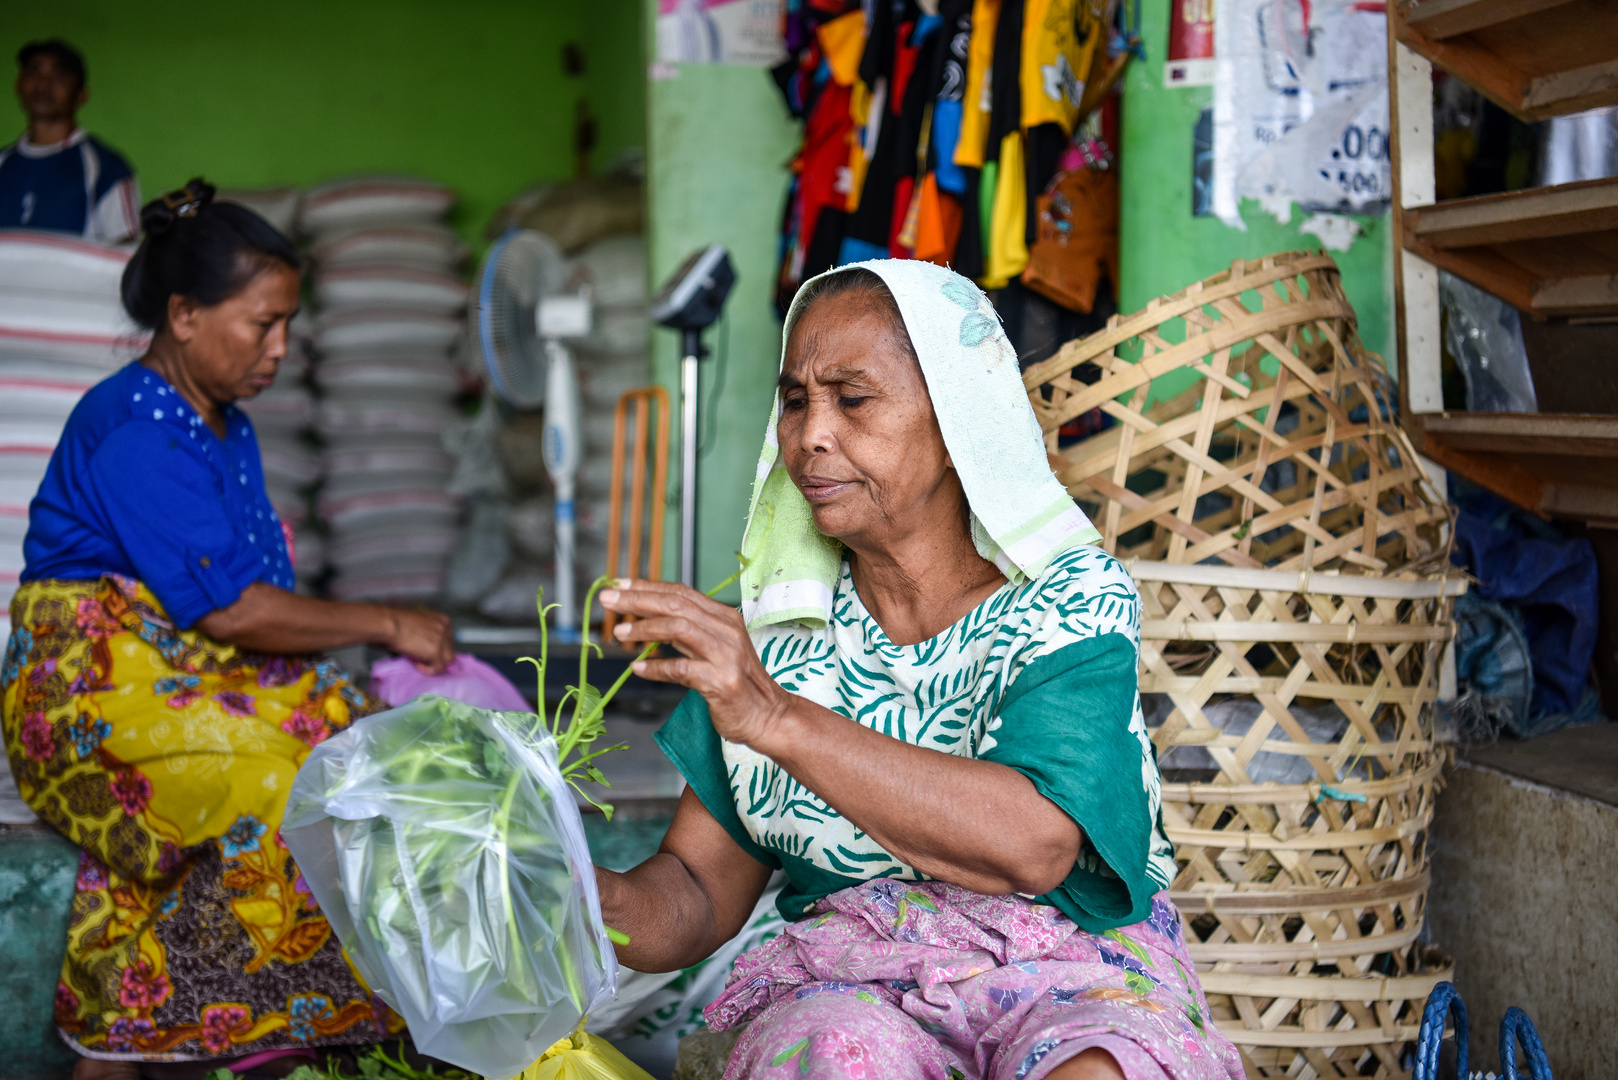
pixel 927 981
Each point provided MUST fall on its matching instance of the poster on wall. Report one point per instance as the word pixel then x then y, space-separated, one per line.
pixel 1300 107
pixel 1190 55
pixel 720 32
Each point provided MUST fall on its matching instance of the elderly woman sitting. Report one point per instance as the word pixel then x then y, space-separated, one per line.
pixel 926 715
pixel 162 682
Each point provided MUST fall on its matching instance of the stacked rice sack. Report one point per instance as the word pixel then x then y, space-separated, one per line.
pixel 277 205
pixel 62 330
pixel 391 305
pixel 615 357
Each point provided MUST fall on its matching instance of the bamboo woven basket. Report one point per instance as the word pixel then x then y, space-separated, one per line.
pixel 1291 555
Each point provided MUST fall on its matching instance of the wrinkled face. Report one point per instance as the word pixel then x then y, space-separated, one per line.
pixel 858 433
pixel 49 91
pixel 233 349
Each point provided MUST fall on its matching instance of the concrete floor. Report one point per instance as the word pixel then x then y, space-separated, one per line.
pixel 37 869
pixel 1525 894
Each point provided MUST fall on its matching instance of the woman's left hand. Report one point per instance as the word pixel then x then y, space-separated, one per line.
pixel 717 658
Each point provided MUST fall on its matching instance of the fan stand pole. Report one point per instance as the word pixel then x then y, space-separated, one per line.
pixel 691 348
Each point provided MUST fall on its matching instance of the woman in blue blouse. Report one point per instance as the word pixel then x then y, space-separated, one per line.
pixel 162 682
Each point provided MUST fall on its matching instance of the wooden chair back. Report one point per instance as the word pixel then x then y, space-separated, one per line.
pixel 636 551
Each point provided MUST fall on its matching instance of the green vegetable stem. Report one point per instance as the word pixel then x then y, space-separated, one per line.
pixel 588 722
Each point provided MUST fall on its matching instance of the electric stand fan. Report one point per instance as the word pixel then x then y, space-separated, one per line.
pixel 690 301
pixel 523 320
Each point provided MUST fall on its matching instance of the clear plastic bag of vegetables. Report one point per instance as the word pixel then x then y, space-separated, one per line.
pixel 445 847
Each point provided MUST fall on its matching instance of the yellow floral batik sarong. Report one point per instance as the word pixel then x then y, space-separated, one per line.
pixel 168 757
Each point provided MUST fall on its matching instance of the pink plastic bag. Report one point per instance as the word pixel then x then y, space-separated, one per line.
pixel 396 680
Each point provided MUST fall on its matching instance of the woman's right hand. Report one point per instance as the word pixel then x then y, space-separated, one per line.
pixel 717 658
pixel 423 636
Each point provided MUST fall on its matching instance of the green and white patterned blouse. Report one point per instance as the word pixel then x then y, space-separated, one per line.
pixel 1040 677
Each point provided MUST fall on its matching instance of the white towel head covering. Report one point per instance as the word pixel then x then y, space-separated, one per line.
pixel 1022 518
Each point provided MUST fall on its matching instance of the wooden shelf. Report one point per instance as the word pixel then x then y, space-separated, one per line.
pixel 1550 251
pixel 1555 464
pixel 1534 58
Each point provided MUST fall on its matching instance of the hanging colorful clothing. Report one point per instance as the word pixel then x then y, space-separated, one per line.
pixel 957 117
pixel 167 757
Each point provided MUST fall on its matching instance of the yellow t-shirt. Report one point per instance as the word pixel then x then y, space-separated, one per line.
pixel 1007 253
pixel 1059 43
pixel 975 102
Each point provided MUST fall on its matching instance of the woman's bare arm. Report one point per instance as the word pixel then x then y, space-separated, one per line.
pixel 269 619
pixel 694 895
pixel 975 824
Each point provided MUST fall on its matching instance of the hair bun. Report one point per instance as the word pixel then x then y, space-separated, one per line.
pixel 159 215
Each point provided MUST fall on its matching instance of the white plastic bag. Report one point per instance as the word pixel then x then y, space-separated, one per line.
pixel 447 851
pixel 1484 334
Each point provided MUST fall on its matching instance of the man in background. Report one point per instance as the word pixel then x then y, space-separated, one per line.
pixel 55 176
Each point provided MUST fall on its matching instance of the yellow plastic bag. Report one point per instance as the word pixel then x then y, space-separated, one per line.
pixel 583 1056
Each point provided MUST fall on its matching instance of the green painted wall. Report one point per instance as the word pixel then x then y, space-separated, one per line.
pixel 1164 248
pixel 254 94
pixel 718 140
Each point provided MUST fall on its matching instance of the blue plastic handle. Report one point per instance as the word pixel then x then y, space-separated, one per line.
pixel 1517 1028
pixel 1444 1001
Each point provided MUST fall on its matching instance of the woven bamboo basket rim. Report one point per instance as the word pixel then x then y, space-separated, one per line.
pixel 1144 512
pixel 1296 1038
pixel 1152 683
pixel 1149 433
pixel 1256 899
pixel 1158 311
pixel 1241 952
pixel 1314 633
pixel 1317 582
pixel 1271 793
pixel 1313 840
pixel 1322 987
pixel 1215 738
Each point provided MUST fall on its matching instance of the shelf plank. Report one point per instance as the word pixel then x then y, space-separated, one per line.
pixel 1441 19
pixel 1555 464
pixel 1533 214
pixel 1550 251
pixel 1534 58
pixel 1561 434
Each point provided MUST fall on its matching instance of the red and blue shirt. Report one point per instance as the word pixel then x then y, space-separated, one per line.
pixel 79 185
